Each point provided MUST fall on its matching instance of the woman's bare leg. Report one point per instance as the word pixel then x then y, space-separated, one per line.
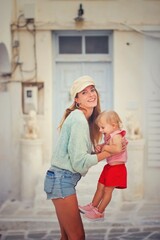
pixel 63 233
pixel 69 218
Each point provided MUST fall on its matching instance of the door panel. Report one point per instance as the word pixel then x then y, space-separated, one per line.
pixel 152 99
pixel 102 76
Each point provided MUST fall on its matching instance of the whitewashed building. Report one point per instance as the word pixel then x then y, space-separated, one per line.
pixel 44 46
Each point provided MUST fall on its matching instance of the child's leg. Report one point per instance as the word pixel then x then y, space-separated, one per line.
pixel 107 195
pixel 98 195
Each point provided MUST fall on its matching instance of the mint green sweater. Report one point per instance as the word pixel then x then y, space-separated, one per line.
pixel 73 149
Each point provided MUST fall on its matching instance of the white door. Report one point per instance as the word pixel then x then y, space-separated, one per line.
pixel 152 99
pixel 71 66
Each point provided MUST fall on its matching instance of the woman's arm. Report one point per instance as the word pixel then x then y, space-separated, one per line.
pixel 103 155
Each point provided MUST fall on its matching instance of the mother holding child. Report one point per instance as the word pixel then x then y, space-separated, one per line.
pixel 81 129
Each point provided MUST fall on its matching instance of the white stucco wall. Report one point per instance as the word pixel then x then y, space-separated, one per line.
pixel 9 168
pixel 5 17
pixel 121 16
pixel 128 71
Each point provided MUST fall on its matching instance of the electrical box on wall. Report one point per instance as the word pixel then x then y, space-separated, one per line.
pixel 30 99
pixel 33 97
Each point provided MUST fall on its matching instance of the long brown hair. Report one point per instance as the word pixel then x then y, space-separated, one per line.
pixel 95 135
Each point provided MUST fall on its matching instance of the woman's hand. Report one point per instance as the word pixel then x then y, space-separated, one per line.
pixel 124 144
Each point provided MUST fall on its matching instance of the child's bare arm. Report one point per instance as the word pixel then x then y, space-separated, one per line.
pixel 99 147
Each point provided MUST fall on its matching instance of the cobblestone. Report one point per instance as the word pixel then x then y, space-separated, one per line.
pixel 130 221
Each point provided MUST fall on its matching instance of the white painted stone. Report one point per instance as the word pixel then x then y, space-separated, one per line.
pixel 135 168
pixel 31 164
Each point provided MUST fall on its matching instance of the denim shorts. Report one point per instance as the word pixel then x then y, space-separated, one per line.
pixel 60 183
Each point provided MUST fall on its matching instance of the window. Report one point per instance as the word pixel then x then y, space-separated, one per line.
pixel 70 45
pixel 84 44
pixel 96 44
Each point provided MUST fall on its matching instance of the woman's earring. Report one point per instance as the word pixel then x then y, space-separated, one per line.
pixel 77 105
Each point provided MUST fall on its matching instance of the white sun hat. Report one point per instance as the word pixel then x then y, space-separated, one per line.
pixel 81 83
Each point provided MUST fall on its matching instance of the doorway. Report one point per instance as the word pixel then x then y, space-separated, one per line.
pixel 77 54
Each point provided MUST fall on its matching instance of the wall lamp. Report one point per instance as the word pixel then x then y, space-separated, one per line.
pixel 79 17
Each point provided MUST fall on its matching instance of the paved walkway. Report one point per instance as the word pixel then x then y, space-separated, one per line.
pixel 128 221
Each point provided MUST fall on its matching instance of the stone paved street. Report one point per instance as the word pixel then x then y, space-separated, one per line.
pixel 129 221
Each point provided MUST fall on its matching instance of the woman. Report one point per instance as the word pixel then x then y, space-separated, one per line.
pixel 73 156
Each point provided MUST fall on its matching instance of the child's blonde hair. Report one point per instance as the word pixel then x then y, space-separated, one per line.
pixel 111 117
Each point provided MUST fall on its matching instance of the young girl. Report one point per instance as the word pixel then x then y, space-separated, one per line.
pixel 114 174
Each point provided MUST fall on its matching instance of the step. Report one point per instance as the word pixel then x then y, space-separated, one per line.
pixel 16 215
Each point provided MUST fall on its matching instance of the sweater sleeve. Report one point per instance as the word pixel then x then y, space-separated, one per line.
pixel 79 148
